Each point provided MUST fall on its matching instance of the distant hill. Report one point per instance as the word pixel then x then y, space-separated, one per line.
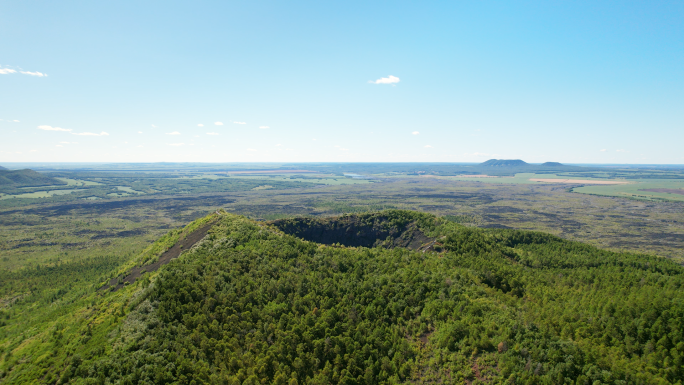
pixel 370 299
pixel 25 178
pixel 552 164
pixel 504 163
pixel 2 168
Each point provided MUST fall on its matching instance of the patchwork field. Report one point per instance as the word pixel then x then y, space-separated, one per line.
pixel 672 190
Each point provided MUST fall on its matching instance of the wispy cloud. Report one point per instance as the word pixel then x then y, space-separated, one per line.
pixel 212 133
pixel 39 74
pixel 139 132
pixel 59 145
pixel 621 150
pixel 251 149
pixel 68 142
pixel 415 132
pixel 90 133
pixel 50 128
pixel 153 126
pixel 278 145
pixel 140 145
pixel 173 133
pixel 604 150
pixel 427 146
pixel 7 71
pixel 200 125
pixel 218 123
pixel 240 122
pixel 388 80
pixel 264 127
pixel 175 144
pixel 15 121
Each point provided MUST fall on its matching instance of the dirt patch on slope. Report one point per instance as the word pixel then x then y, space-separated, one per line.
pixel 184 243
pixel 354 231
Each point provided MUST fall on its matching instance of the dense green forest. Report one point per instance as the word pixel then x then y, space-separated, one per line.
pixel 251 304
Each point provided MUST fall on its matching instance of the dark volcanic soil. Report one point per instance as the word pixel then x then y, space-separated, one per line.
pixel 183 244
pixel 351 231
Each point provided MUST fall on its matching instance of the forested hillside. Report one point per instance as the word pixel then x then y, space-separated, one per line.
pixel 20 178
pixel 250 304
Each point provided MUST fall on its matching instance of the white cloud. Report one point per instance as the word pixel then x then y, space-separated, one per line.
pixel 251 149
pixel 153 126
pixel 59 145
pixel 262 127
pixel 50 128
pixel 6 71
pixel 200 125
pixel 212 133
pixel 139 132
pixel 389 80
pixel 427 146
pixel 67 142
pixel 278 145
pixel 173 133
pixel 140 145
pixel 604 150
pixel 196 136
pixel 240 122
pixel 175 144
pixel 218 123
pixel 90 133
pixel 415 132
pixel 621 150
pixel 16 121
pixel 39 74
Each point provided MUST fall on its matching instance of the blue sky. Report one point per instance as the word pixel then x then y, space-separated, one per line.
pixel 132 81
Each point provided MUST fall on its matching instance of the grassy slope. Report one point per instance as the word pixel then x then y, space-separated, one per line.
pixel 51 314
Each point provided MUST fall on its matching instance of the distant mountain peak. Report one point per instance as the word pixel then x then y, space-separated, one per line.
pixel 504 163
pixel 552 164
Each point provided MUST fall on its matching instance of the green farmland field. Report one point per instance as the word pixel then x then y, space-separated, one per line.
pixel 638 189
